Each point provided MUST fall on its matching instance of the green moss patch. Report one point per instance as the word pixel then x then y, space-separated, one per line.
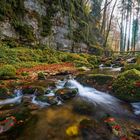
pixel 126 86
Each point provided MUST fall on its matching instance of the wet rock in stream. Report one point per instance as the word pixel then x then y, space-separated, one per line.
pixel 52 100
pixel 66 93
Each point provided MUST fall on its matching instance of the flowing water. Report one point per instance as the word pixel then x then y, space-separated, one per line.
pixel 97 98
pixel 50 122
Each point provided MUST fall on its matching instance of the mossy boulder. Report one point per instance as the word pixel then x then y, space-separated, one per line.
pixel 90 79
pixel 83 107
pixel 132 66
pixel 101 78
pixel 4 93
pixel 52 100
pixel 7 72
pixel 38 90
pixel 108 63
pixel 92 129
pixel 66 93
pixel 127 86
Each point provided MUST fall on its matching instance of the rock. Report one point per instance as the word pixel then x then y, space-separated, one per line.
pixel 37 90
pixel 131 60
pixel 66 93
pixel 83 68
pixel 83 107
pixel 136 132
pixel 52 100
pixel 126 85
pixel 108 63
pixel 41 76
pixel 93 130
pixel 92 79
pixel 101 78
pixel 33 5
pixel 4 93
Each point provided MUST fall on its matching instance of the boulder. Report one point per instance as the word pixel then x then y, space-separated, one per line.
pixel 83 107
pixel 52 100
pixel 93 130
pixel 37 90
pixel 66 93
pixel 126 86
pixel 95 79
pixel 4 93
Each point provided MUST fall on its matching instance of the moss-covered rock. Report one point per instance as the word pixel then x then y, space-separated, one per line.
pixel 126 86
pixel 132 66
pixel 38 90
pixel 52 100
pixel 66 93
pixel 99 79
pixel 4 93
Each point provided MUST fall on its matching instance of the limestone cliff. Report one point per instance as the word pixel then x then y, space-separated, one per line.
pixel 62 24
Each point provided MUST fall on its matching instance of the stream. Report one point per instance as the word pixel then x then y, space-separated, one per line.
pixel 49 122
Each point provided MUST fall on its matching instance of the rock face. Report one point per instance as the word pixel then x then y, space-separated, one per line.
pixel 34 5
pixel 43 22
pixel 6 30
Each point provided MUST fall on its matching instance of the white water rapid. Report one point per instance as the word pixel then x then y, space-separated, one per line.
pixel 104 100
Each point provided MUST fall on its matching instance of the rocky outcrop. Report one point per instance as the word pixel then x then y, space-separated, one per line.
pixel 43 22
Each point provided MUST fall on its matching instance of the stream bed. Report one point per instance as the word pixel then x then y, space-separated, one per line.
pixel 59 120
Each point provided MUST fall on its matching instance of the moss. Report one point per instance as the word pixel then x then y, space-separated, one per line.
pixel 4 93
pixel 39 90
pixel 46 26
pixel 132 66
pixel 101 79
pixel 7 71
pixel 24 30
pixel 25 57
pixel 96 50
pixel 138 59
pixel 125 86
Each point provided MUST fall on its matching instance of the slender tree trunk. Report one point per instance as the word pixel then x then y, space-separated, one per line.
pixel 121 32
pixel 126 29
pixel 103 25
pixel 110 21
pixel 129 37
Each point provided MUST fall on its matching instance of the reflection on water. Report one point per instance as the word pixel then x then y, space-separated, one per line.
pixel 52 124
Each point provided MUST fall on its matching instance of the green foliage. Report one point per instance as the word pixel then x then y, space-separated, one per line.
pixel 132 66
pixel 96 50
pixel 24 73
pixel 24 30
pixel 125 87
pixel 25 57
pixel 46 25
pixel 7 71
